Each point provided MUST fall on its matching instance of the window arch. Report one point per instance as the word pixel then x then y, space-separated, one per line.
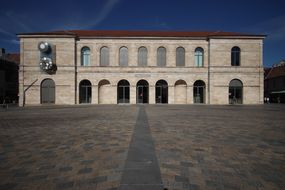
pixel 235 56
pixel 161 92
pixel 85 56
pixel 104 56
pixel 199 91
pixel 142 91
pixel 123 92
pixel 161 57
pixel 48 91
pixel 123 56
pixel 180 56
pixel 85 91
pixel 142 56
pixel 199 57
pixel 235 92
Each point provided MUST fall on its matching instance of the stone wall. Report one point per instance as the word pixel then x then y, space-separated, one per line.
pixel 217 52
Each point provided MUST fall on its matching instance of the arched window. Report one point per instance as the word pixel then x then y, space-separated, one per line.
pixel 123 92
pixel 47 91
pixel 180 56
pixel 199 57
pixel 161 92
pixel 235 92
pixel 85 91
pixel 85 56
pixel 235 56
pixel 142 92
pixel 123 54
pixel 161 57
pixel 104 56
pixel 199 91
pixel 142 57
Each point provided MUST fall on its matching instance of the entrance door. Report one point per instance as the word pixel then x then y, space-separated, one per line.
pixel 48 92
pixel 199 89
pixel 142 92
pixel 85 92
pixel 161 92
pixel 235 92
pixel 123 92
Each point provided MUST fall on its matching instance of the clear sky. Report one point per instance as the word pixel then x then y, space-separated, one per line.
pixel 247 16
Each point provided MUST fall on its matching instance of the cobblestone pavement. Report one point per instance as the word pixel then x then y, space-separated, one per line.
pixel 197 146
pixel 220 147
pixel 65 148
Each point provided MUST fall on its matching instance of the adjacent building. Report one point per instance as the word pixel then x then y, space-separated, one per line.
pixel 9 66
pixel 274 83
pixel 132 67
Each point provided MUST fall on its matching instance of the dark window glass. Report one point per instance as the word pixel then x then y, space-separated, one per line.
pixel 235 56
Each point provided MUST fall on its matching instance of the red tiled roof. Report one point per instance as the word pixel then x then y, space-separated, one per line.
pixel 276 72
pixel 123 33
pixel 12 57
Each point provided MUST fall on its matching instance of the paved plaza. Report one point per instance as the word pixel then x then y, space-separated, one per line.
pixel 153 147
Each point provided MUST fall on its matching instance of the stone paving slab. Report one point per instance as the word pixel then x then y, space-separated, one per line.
pixel 220 147
pixel 197 146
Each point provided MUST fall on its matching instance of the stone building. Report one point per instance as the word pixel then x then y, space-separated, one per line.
pixel 9 67
pixel 110 67
pixel 274 83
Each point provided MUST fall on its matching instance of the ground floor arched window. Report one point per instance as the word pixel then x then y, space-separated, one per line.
pixel 161 92
pixel 235 92
pixel 142 92
pixel 123 92
pixel 47 91
pixel 199 91
pixel 85 92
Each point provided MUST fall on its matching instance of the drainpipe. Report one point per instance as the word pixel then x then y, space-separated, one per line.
pixel 75 70
pixel 24 93
pixel 209 64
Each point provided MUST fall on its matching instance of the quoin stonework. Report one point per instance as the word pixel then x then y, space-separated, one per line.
pixel 131 67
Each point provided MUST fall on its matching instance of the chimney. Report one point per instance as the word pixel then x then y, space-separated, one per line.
pixel 2 52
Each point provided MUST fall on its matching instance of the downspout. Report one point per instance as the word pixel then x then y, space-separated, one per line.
pixel 209 64
pixel 75 69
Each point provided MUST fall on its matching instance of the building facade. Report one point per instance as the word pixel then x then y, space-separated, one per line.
pixel 111 67
pixel 9 67
pixel 274 83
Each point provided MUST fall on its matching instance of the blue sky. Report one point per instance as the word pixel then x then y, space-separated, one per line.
pixel 248 16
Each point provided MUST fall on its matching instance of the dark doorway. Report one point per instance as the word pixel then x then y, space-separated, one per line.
pixel 235 92
pixel 85 92
pixel 142 92
pixel 123 92
pixel 48 92
pixel 161 92
pixel 199 92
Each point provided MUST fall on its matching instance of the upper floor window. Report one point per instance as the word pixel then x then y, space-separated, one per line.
pixel 161 57
pixel 180 56
pixel 104 56
pixel 85 56
pixel 199 57
pixel 142 56
pixel 123 56
pixel 235 56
